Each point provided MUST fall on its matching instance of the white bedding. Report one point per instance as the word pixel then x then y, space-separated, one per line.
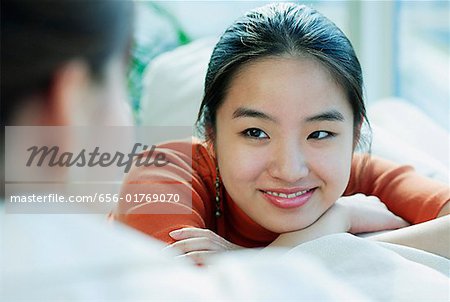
pixel 79 258
pixel 381 271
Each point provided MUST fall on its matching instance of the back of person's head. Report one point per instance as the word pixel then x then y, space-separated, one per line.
pixel 281 29
pixel 40 37
pixel 63 63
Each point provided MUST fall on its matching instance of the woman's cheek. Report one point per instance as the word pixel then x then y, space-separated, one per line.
pixel 250 162
pixel 332 166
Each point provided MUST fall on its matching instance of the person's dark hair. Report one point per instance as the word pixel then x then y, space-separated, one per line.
pixel 38 37
pixel 278 30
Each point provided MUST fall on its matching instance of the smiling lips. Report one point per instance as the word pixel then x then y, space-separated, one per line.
pixel 287 199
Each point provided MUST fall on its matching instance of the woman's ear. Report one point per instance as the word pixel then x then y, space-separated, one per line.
pixel 209 133
pixel 357 134
pixel 65 94
pixel 210 137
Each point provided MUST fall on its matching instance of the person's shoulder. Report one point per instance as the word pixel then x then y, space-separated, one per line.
pixel 198 152
pixel 185 145
pixel 370 166
pixel 191 146
pixel 365 160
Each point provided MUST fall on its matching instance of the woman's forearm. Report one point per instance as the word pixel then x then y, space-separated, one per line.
pixel 445 210
pixel 332 221
pixel 431 236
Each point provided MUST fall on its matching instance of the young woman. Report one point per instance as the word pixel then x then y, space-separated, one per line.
pixel 281 114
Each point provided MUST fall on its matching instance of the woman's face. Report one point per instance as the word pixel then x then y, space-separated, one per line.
pixel 284 142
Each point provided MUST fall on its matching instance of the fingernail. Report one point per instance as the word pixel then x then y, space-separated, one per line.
pixel 166 248
pixel 174 233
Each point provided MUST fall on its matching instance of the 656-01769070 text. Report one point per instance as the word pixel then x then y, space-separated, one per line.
pixel 97 197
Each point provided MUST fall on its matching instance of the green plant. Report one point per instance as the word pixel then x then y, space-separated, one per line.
pixel 144 50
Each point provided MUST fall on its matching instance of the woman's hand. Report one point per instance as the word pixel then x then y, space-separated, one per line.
pixel 199 244
pixel 368 214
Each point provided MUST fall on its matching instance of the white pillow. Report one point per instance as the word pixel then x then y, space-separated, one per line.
pixel 404 134
pixel 173 85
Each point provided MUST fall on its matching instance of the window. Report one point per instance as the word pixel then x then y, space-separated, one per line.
pixel 422 56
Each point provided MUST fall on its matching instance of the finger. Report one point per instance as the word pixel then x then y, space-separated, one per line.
pixel 197 244
pixel 185 233
pixel 394 222
pixel 375 203
pixel 401 223
pixel 199 257
pixel 173 251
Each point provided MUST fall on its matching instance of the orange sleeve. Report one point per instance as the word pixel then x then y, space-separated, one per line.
pixel 181 176
pixel 409 195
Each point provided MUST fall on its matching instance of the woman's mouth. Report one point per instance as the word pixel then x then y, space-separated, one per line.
pixel 287 199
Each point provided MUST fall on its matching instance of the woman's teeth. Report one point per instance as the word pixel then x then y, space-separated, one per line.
pixel 282 195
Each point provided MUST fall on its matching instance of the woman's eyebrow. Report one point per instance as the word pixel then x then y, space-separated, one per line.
pixel 247 112
pixel 332 115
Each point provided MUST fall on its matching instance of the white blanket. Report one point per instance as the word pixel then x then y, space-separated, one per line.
pixel 79 258
pixel 381 271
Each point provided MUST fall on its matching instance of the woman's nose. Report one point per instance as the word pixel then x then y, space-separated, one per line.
pixel 288 163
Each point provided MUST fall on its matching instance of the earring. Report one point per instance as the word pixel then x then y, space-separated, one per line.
pixel 218 213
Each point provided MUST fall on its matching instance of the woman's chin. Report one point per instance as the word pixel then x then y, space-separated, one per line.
pixel 286 227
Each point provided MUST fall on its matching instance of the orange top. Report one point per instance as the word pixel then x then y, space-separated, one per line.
pixel 192 171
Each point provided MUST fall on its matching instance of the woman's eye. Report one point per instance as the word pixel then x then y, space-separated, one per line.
pixel 321 135
pixel 255 133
